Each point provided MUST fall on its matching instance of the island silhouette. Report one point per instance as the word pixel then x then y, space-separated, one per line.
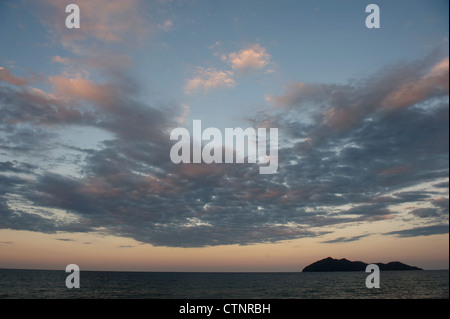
pixel 331 264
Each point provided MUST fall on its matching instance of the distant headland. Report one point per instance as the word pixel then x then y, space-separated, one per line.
pixel 331 264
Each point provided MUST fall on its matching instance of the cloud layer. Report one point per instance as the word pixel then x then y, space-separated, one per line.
pixel 352 153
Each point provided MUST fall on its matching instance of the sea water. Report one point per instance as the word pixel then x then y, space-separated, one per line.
pixel 50 284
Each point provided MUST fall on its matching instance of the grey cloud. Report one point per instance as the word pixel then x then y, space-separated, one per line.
pixel 345 239
pixel 18 220
pixel 442 203
pixel 129 187
pixel 24 105
pixel 421 231
pixel 425 212
pixel 442 185
pixel 16 167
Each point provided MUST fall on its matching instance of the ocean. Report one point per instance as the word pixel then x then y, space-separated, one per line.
pixel 50 284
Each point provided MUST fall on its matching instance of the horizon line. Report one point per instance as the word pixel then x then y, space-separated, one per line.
pixel 188 271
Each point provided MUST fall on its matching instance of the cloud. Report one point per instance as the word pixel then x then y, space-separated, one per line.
pixel 425 212
pixel 17 167
pixel 8 77
pixel 350 153
pixel 409 93
pixel 20 220
pixel 30 105
pixel 442 203
pixel 339 107
pixel 81 88
pixel 166 26
pixel 62 60
pixel 249 59
pixel 81 101
pixel 186 112
pixel 207 79
pixel 442 185
pixel 421 231
pixel 102 21
pixel 345 239
pixel 344 159
pixel 98 60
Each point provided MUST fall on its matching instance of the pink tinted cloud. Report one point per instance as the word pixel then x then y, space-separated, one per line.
pixel 97 59
pixel 207 79
pixel 80 88
pixel 254 57
pixel 340 107
pixel 7 76
pixel 107 21
pixel 411 93
pixel 61 60
pixel 404 95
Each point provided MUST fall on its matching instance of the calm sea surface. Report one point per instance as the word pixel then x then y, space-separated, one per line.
pixel 344 285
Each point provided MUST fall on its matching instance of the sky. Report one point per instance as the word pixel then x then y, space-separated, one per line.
pixel 86 115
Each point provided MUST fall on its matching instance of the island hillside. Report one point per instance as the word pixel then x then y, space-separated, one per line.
pixel 331 264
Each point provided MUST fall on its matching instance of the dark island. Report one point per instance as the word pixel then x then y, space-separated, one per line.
pixel 331 264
